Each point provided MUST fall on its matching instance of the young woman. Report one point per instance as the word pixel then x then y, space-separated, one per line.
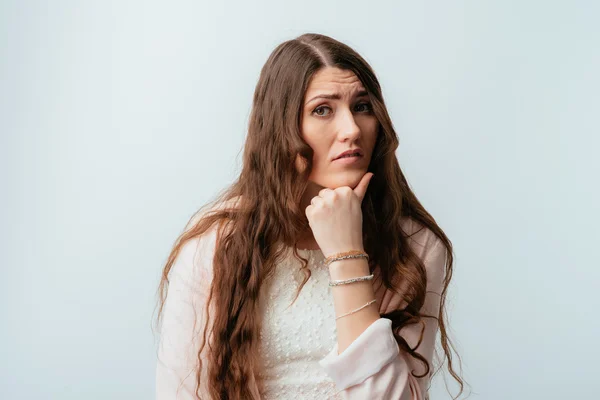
pixel 317 274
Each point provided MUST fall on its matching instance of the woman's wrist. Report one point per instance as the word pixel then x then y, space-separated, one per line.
pixel 349 268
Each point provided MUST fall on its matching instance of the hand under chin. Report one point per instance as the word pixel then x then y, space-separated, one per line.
pixel 334 183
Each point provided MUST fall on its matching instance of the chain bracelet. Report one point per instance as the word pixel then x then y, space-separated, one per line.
pixel 346 281
pixel 346 255
pixel 358 309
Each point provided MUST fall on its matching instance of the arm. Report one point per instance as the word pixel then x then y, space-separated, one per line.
pixel 372 366
pixel 182 326
pixel 350 297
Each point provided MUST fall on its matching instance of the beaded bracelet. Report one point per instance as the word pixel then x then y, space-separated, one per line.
pixel 358 309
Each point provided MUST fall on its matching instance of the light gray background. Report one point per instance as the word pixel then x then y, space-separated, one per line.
pixel 119 119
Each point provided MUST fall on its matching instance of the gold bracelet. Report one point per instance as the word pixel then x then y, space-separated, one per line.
pixel 346 255
pixel 358 309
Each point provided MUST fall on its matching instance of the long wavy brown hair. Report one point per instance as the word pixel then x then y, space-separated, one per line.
pixel 268 214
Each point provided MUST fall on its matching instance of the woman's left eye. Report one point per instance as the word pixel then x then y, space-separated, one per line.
pixel 368 108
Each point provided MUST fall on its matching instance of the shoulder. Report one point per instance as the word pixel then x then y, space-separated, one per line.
pixel 430 249
pixel 193 264
pixel 195 257
pixel 432 252
pixel 423 240
pixel 212 207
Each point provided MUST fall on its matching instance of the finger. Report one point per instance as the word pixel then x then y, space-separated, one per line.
pixel 315 201
pixel 308 210
pixel 361 188
pixel 324 192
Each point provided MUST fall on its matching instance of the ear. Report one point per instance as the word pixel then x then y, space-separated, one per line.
pixel 300 163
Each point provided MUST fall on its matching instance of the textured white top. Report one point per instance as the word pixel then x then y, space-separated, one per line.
pixel 299 344
pixel 294 340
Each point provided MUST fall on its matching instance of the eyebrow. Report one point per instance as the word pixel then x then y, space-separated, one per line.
pixel 336 96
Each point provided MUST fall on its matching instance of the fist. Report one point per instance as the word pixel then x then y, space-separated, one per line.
pixel 335 217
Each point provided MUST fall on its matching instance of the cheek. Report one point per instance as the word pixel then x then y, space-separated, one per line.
pixel 319 152
pixel 317 143
pixel 372 138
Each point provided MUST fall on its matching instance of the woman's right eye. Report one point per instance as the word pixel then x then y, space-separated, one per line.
pixel 316 110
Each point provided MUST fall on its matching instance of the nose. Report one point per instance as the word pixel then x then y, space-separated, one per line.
pixel 347 128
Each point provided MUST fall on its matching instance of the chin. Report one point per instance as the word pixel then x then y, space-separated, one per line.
pixel 350 179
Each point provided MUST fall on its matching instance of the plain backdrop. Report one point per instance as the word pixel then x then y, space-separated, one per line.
pixel 119 119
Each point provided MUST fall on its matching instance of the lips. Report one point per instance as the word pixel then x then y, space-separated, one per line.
pixel 356 151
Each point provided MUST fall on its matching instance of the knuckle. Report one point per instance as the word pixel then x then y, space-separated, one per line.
pixel 345 191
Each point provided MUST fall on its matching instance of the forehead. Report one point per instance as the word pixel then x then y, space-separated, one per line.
pixel 331 78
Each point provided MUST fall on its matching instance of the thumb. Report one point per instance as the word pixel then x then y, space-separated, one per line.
pixel 361 188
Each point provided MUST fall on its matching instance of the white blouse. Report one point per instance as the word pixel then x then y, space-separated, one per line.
pixel 294 340
pixel 298 345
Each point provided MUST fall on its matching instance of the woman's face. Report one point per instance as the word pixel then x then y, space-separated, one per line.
pixel 336 117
